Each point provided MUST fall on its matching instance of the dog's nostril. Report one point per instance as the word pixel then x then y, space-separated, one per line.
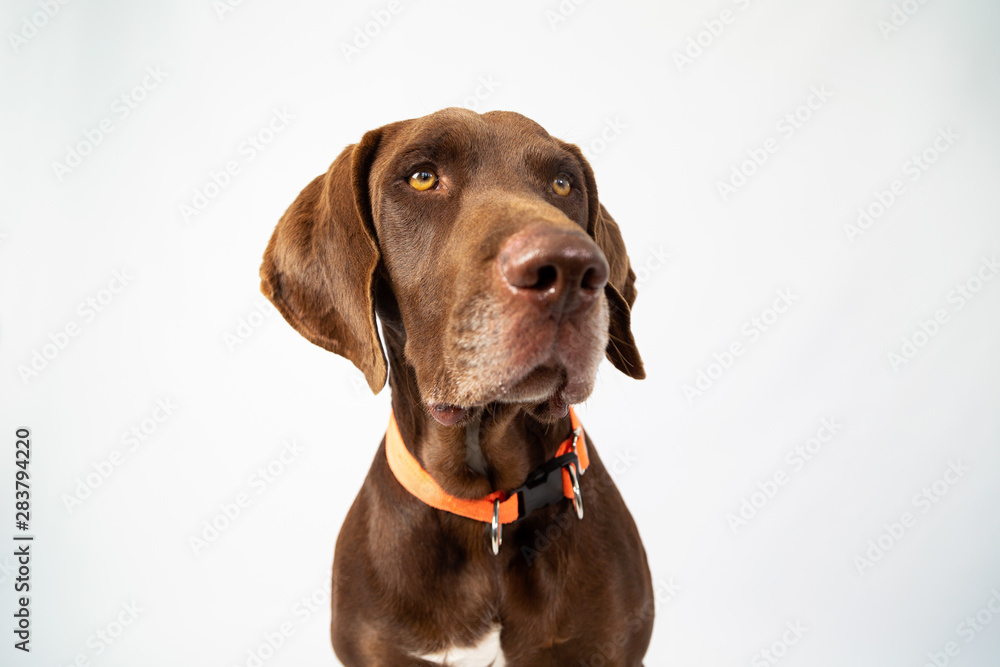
pixel 547 276
pixel 593 279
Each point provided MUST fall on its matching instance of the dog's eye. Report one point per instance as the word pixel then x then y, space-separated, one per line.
pixel 423 180
pixel 561 185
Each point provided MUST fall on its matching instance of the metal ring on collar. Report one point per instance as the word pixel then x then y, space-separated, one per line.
pixel 577 498
pixel 496 528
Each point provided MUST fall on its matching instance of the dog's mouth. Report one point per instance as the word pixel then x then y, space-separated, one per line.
pixel 546 390
pixel 540 364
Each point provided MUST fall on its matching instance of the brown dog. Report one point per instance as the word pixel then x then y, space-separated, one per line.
pixel 501 282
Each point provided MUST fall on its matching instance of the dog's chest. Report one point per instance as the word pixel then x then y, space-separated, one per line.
pixel 486 653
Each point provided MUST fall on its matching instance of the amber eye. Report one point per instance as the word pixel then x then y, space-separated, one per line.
pixel 561 185
pixel 423 180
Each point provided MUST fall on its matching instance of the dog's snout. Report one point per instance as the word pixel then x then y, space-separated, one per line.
pixel 559 270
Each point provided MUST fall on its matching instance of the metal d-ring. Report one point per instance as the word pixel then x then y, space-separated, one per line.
pixel 496 528
pixel 577 498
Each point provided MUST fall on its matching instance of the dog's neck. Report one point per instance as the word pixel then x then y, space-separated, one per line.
pixel 493 448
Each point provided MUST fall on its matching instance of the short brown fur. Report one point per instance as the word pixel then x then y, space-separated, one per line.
pixel 358 242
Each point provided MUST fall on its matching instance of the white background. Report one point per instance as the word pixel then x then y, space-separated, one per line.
pixel 672 131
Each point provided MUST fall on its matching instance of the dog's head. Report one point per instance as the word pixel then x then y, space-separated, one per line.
pixel 480 241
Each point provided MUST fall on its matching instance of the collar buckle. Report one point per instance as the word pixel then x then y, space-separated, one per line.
pixel 544 485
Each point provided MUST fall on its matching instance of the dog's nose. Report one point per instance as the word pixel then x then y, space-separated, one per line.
pixel 559 270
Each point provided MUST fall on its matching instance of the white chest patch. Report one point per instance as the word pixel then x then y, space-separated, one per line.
pixel 486 653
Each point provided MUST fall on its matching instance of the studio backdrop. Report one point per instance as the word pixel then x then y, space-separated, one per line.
pixel 808 194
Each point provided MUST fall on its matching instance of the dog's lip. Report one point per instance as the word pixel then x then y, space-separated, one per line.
pixel 447 414
pixel 537 384
pixel 542 384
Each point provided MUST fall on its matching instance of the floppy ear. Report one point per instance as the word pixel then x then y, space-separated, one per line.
pixel 620 290
pixel 319 266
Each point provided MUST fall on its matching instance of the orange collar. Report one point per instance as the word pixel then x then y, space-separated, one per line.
pixel 571 458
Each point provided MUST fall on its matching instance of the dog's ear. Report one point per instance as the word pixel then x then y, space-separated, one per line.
pixel 620 290
pixel 319 266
